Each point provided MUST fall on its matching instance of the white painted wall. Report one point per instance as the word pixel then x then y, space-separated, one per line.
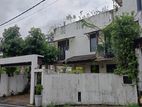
pixel 139 58
pixel 14 84
pixel 95 89
pixel 128 6
pixel 80 43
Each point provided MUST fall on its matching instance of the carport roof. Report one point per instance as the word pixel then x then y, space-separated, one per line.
pixel 19 60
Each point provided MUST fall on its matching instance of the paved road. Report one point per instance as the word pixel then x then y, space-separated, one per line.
pixel 5 105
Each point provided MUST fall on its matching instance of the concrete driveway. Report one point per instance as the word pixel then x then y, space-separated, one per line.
pixel 22 100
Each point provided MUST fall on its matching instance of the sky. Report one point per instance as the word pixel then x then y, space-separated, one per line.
pixel 49 13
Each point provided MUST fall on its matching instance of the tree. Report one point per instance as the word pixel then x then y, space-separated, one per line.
pixel 122 33
pixel 12 43
pixel 36 43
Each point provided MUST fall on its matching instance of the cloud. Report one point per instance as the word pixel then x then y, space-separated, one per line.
pixel 46 16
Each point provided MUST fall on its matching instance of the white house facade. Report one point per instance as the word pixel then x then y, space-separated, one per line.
pixel 78 41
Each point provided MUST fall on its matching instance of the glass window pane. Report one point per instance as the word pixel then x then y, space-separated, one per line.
pixel 93 42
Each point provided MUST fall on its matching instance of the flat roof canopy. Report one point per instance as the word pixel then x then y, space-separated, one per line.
pixel 20 60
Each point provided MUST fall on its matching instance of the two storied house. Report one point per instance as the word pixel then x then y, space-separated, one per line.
pixel 79 42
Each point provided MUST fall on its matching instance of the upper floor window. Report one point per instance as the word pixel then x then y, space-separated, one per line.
pixel 93 41
pixel 63 46
pixel 139 5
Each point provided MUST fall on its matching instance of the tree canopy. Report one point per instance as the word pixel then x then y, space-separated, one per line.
pixel 35 43
pixel 12 42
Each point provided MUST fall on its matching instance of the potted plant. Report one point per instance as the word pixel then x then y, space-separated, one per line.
pixel 38 96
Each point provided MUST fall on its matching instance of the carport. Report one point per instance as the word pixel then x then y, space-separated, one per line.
pixel 35 61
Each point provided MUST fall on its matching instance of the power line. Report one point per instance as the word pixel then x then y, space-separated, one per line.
pixel 22 13
pixel 34 12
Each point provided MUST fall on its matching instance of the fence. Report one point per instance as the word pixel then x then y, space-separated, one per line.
pixel 12 85
pixel 87 89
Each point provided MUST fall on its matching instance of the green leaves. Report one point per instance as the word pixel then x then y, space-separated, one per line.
pixel 12 43
pixel 121 33
pixel 34 43
pixel 38 89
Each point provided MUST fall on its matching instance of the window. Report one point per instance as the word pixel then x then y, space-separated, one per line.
pixel 139 5
pixel 127 80
pixel 63 46
pixel 94 68
pixel 93 42
pixel 110 68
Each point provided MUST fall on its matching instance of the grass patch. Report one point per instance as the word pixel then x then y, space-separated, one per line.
pixel 133 105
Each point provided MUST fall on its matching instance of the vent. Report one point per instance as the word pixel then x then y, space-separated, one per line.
pixel 79 96
pixel 127 80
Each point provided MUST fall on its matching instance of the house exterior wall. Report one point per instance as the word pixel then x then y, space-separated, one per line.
pixel 128 6
pixel 14 84
pixel 94 88
pixel 87 66
pixel 102 66
pixel 79 44
pixel 139 57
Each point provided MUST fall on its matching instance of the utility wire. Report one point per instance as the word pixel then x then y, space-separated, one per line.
pixel 33 13
pixel 22 13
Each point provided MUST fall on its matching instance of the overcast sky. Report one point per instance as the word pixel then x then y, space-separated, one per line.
pixel 45 16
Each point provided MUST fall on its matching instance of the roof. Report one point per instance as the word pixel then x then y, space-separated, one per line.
pixel 81 58
pixel 63 38
pixel 104 59
pixel 19 60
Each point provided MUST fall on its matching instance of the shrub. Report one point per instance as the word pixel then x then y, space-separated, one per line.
pixel 133 105
pixel 38 89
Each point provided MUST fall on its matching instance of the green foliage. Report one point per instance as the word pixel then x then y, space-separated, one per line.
pixel 36 43
pixel 77 70
pixel 17 71
pixel 2 70
pixel 51 105
pixel 12 70
pixel 133 105
pixel 66 105
pixel 12 42
pixel 50 53
pixel 108 39
pixel 38 89
pixel 121 33
pixel 100 49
